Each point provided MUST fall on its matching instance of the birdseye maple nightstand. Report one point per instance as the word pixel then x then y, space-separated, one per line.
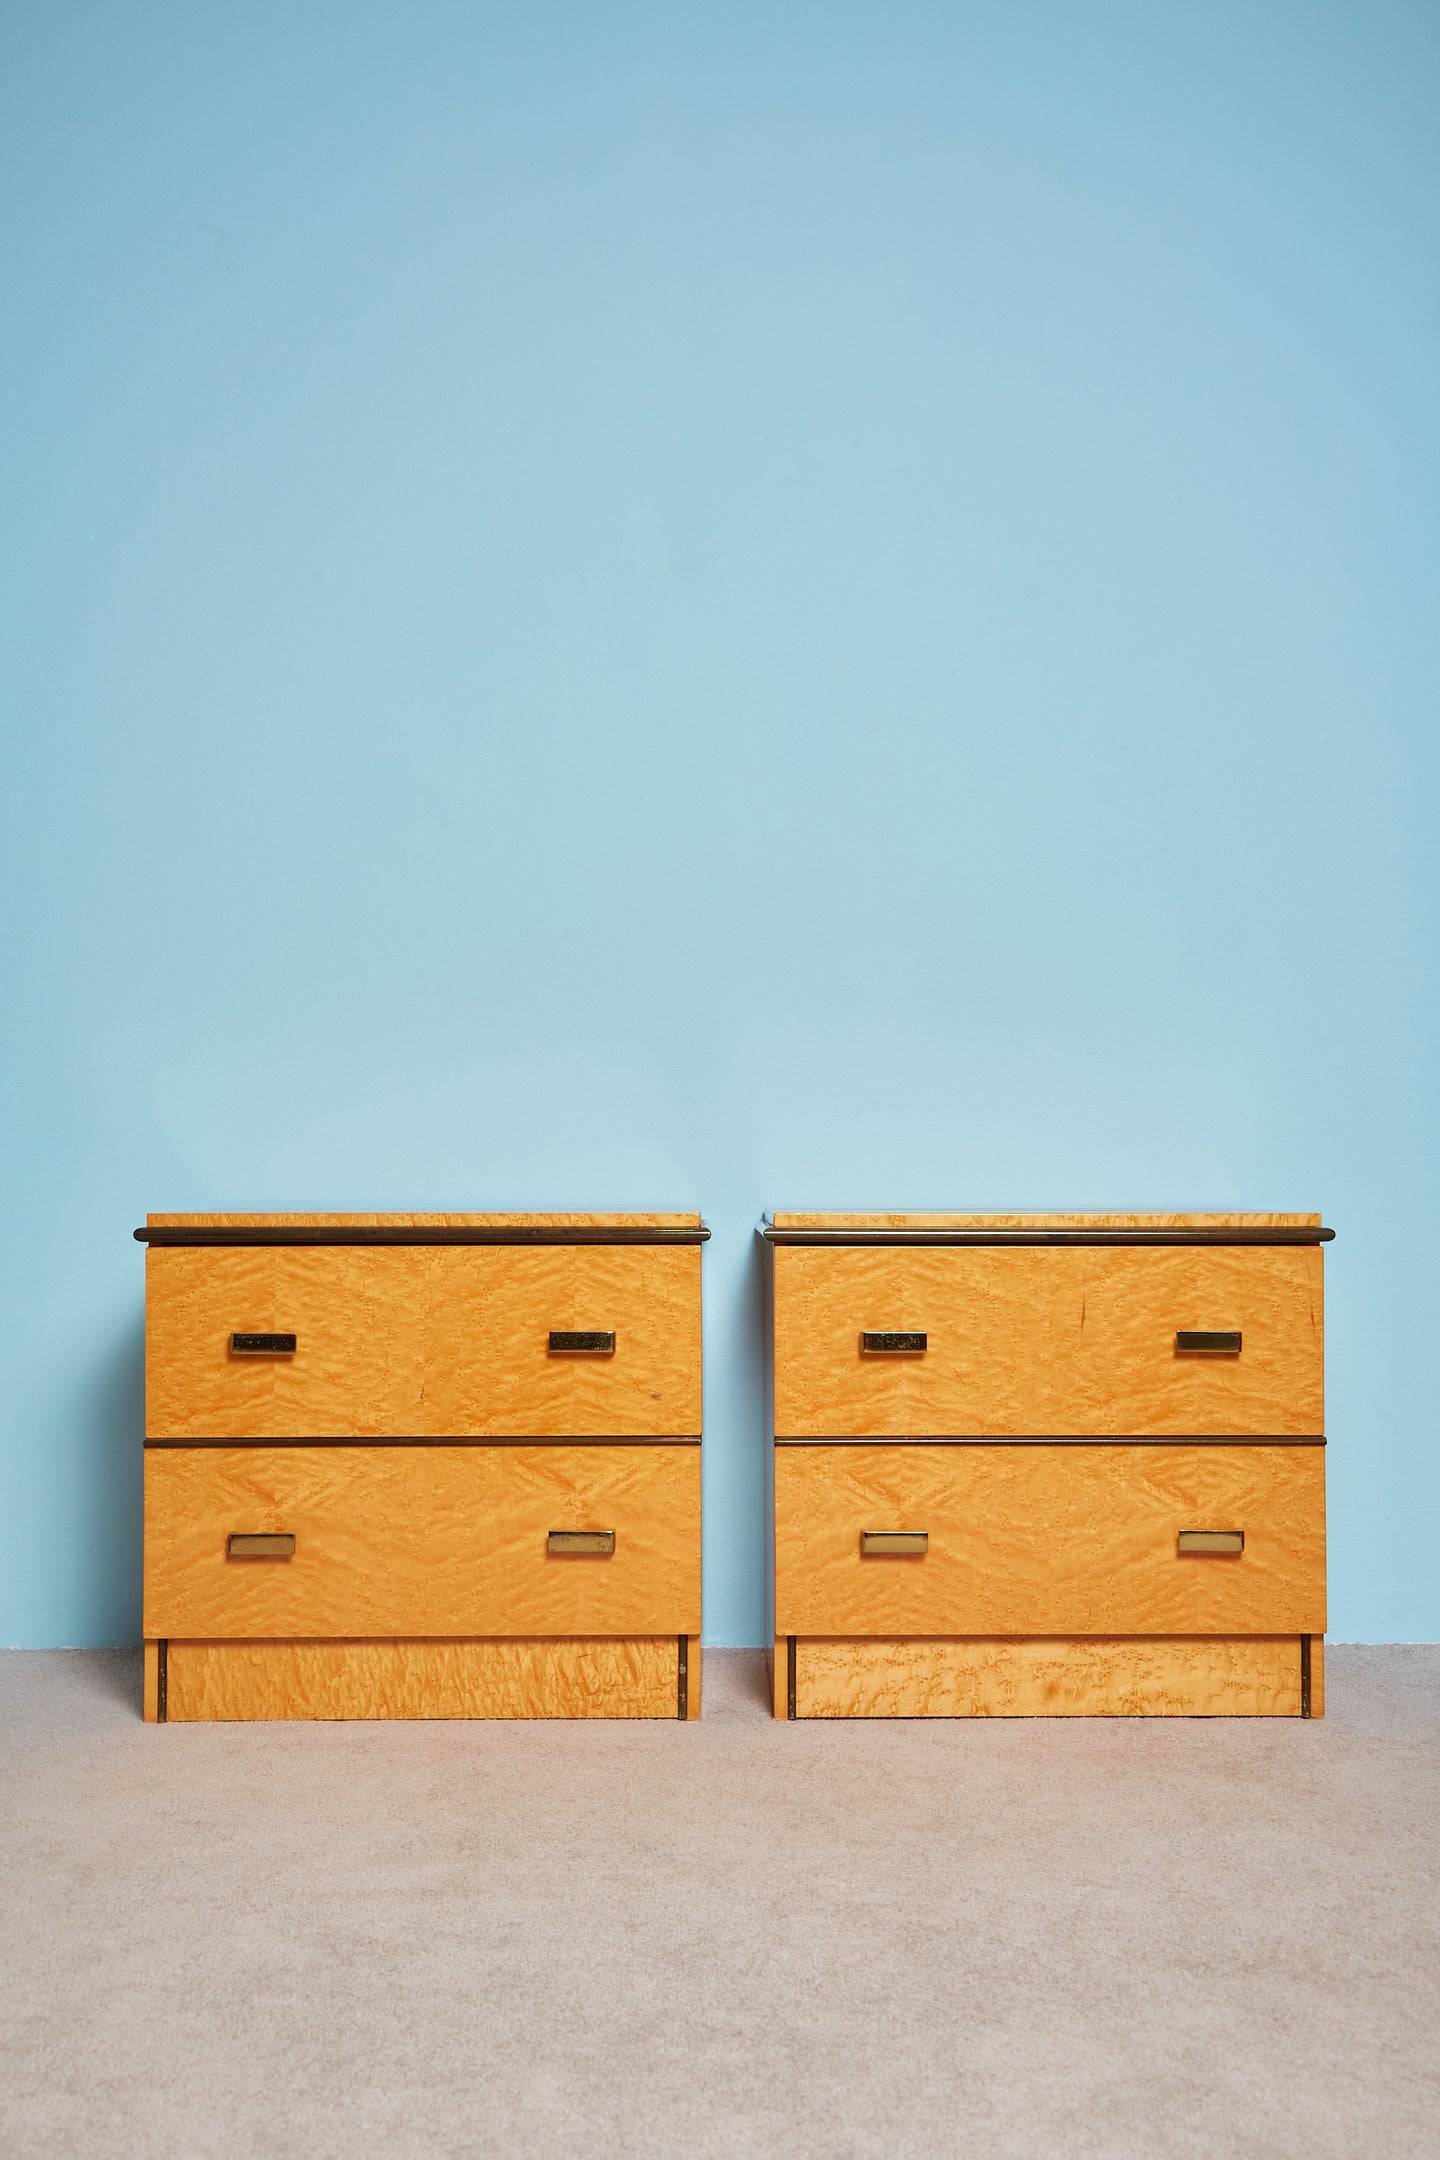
pixel 422 1466
pixel 1029 1465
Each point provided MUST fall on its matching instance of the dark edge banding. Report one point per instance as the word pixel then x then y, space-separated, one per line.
pixel 384 1234
pixel 289 1440
pixel 1208 1440
pixel 1304 1676
pixel 684 1709
pixel 790 1676
pixel 162 1680
pixel 1283 1234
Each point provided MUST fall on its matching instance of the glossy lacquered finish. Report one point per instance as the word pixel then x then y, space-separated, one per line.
pixel 423 1341
pixel 442 1540
pixel 1039 1676
pixel 565 1677
pixel 412 1479
pixel 1075 1340
pixel 1096 1446
pixel 1049 1540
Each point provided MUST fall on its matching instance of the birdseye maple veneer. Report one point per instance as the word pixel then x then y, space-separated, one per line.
pixel 1067 1465
pixel 422 1466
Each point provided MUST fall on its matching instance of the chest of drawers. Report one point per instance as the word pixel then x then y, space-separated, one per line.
pixel 422 1466
pixel 1047 1465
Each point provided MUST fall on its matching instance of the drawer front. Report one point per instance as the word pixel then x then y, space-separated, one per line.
pixel 1078 1340
pixel 1065 1540
pixel 422 1541
pixel 412 1341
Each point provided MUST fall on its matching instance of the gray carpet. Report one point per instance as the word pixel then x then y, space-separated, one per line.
pixel 734 1938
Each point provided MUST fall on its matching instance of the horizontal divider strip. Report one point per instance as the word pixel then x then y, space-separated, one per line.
pixel 1156 1635
pixel 548 1439
pixel 1281 1235
pixel 374 1234
pixel 1053 1440
pixel 259 1642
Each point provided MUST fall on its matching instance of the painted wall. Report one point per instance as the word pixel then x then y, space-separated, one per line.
pixel 740 606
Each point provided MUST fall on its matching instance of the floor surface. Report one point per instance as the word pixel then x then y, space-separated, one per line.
pixel 735 1938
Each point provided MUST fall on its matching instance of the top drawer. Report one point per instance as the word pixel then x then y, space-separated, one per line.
pixel 1081 1340
pixel 422 1341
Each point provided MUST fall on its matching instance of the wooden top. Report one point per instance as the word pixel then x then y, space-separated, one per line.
pixel 412 1229
pixel 1107 1228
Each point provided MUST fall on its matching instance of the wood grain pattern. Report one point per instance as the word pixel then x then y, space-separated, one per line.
pixel 1036 1340
pixel 1088 1221
pixel 151 1683
pixel 1253 1676
pixel 1049 1540
pixel 454 1679
pixel 422 1340
pixel 692 1677
pixel 1317 1676
pixel 421 1222
pixel 435 1541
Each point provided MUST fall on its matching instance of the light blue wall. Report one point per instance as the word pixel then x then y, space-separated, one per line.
pixel 732 606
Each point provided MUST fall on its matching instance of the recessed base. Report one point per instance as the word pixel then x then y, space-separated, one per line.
pixel 584 1677
pixel 1069 1676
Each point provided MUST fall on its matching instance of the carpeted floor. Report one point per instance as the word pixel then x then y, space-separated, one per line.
pixel 734 1938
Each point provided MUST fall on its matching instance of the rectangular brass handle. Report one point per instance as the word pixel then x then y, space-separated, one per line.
pixel 580 1541
pixel 261 1544
pixel 899 1544
pixel 1207 1342
pixel 1212 1541
pixel 245 1343
pixel 582 1342
pixel 893 1342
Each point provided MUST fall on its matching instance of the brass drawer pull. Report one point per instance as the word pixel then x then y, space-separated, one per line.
pixel 898 1544
pixel 1212 1541
pixel 580 1541
pixel 893 1342
pixel 261 1544
pixel 246 1344
pixel 582 1342
pixel 1207 1342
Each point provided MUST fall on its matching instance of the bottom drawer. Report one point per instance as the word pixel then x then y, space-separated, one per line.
pixel 1079 1676
pixel 456 1541
pixel 1084 1538
pixel 644 1677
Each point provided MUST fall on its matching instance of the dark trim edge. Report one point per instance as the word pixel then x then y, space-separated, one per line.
pixel 684 1668
pixel 1304 1676
pixel 594 1234
pixel 790 1676
pixel 1280 1235
pixel 162 1680
pixel 288 1440
pixel 1047 1440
